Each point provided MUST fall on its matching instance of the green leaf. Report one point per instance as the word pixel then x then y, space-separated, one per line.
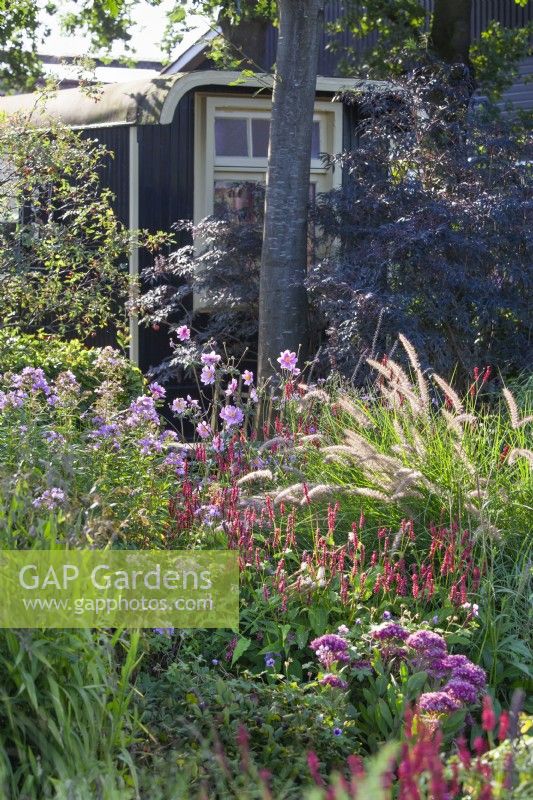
pixel 318 619
pixel 416 683
pixel 241 647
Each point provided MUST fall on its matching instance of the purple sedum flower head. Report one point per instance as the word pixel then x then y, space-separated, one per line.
pixel 330 679
pixel 437 703
pixel 428 643
pixel 389 630
pixel 462 690
pixel 471 673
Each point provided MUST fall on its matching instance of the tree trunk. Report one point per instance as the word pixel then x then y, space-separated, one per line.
pixel 451 30
pixel 283 313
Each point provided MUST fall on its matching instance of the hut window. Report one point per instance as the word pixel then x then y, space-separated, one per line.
pixel 232 135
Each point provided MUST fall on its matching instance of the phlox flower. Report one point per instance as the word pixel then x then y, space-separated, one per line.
pixel 176 461
pixel 50 499
pixel 158 392
pixel 142 410
pixel 207 375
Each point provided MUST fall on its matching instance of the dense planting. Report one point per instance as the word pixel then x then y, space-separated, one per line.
pixel 384 553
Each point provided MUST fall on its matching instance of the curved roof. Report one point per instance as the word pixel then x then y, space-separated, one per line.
pixel 144 102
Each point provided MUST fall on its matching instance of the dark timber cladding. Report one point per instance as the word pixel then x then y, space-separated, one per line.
pixel 166 194
pixel 115 172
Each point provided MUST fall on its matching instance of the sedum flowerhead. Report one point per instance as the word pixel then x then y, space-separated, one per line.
pixel 438 703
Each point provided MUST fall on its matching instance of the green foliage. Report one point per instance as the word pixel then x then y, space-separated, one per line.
pixel 66 714
pixel 20 35
pixel 284 719
pixel 63 252
pixel 54 355
pixel 496 55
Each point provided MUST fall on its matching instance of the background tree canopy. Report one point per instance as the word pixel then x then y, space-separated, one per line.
pixel 400 28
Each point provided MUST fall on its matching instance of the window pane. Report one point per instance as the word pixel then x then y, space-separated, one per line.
pixel 241 199
pixel 315 141
pixel 230 137
pixel 260 134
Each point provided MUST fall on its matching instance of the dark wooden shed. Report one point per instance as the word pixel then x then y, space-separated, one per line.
pixel 180 141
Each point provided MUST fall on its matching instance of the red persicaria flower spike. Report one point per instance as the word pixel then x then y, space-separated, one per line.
pixel 503 726
pixel 488 717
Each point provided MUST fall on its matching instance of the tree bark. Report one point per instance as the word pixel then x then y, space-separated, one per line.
pixel 283 312
pixel 451 32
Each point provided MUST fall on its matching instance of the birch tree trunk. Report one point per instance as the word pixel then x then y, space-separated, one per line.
pixel 283 313
pixel 451 30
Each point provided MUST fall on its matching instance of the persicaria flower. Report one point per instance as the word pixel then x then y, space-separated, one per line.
pixel 158 392
pixel 462 690
pixel 207 375
pixel 488 717
pixel 330 679
pixel 210 359
pixel 184 333
pixel 247 377
pixel 389 630
pixel 288 360
pixel 438 703
pixel 231 415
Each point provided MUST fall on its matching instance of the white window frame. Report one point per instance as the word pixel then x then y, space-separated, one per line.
pixel 208 168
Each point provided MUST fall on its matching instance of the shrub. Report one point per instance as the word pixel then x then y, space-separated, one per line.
pixel 430 233
pixel 54 355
